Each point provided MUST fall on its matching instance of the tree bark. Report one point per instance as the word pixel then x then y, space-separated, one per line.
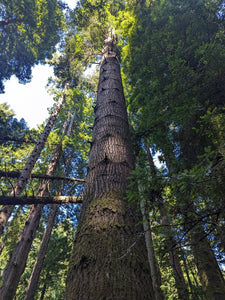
pixel 33 282
pixel 26 172
pixel 171 243
pixel 154 267
pixel 209 272
pixel 173 255
pixel 17 262
pixel 34 278
pixel 109 259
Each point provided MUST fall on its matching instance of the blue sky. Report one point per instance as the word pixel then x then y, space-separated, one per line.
pixel 31 101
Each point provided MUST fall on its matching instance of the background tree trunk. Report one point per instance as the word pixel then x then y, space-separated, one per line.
pixel 154 267
pixel 109 259
pixel 34 278
pixel 17 262
pixel 171 243
pixel 26 172
pixel 209 272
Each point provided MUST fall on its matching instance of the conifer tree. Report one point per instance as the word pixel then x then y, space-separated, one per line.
pixel 109 254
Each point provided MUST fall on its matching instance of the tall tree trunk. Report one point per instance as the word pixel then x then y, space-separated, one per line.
pixel 171 243
pixel 6 211
pixel 17 262
pixel 173 255
pixel 210 275
pixel 187 271
pixel 109 259
pixel 34 278
pixel 33 282
pixel 154 267
pixel 209 272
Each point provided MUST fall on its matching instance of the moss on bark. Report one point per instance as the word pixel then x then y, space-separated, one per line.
pixel 111 251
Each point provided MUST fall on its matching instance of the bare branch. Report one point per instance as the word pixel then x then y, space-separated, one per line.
pixel 14 174
pixel 24 200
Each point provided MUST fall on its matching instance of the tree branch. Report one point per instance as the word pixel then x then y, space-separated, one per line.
pixel 24 200
pixel 14 174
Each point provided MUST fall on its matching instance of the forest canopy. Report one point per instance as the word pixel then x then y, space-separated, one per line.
pixel 146 178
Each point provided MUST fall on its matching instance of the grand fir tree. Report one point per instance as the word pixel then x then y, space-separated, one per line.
pixel 109 259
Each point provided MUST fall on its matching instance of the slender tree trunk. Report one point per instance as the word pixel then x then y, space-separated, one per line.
pixel 43 292
pixel 26 172
pixel 173 255
pixel 33 282
pixel 109 259
pixel 34 278
pixel 187 271
pixel 171 243
pixel 154 268
pixel 209 272
pixel 17 262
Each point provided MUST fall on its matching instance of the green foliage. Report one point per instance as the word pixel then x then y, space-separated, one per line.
pixel 177 95
pixel 29 31
pixel 15 145
pixel 173 66
pixel 12 231
pixel 173 61
pixel 56 262
pixel 54 271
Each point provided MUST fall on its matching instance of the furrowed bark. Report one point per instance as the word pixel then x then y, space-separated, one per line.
pixel 109 259
pixel 25 174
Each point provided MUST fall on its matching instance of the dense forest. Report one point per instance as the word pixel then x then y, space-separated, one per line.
pixel 119 193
